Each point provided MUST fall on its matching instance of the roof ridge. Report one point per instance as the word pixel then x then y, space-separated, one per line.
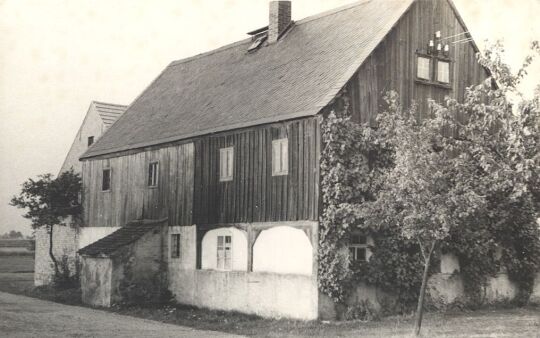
pixel 295 23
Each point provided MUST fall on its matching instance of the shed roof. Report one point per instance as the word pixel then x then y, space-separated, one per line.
pixel 229 88
pixel 120 238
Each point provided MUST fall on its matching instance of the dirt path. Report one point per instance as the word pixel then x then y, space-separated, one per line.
pixel 22 316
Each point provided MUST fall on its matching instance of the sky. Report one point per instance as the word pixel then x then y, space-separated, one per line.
pixel 58 55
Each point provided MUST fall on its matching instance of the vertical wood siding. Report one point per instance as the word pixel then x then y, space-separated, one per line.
pixel 254 195
pixel 392 66
pixel 130 197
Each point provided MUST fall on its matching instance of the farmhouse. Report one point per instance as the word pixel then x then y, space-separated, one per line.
pixel 66 238
pixel 213 171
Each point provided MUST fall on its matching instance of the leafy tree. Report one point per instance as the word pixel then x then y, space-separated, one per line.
pixel 472 162
pixel 12 235
pixel 49 201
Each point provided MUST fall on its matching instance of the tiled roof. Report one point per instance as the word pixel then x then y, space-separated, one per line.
pixel 229 88
pixel 121 237
pixel 109 112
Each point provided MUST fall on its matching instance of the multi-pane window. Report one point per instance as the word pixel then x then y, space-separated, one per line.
pixel 358 248
pixel 90 140
pixel 224 252
pixel 280 157
pixel 153 174
pixel 443 71
pixel 226 164
pixel 423 68
pixel 175 245
pixel 106 180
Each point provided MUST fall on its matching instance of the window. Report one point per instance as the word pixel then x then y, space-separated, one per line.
pixel 226 164
pixel 280 157
pixel 358 248
pixel 106 180
pixel 423 68
pixel 224 252
pixel 90 140
pixel 153 174
pixel 443 71
pixel 175 245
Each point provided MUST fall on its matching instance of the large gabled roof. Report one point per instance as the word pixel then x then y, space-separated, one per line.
pixel 229 88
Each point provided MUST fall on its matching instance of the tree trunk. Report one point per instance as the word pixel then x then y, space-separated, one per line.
pixel 55 262
pixel 421 297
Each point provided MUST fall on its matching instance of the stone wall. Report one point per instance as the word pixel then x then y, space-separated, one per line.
pixel 96 279
pixel 66 241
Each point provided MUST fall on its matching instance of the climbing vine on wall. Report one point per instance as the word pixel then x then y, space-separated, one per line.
pixel 499 150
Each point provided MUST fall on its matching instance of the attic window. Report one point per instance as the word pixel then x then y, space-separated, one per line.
pixel 443 71
pixel 423 68
pixel 90 140
pixel 257 42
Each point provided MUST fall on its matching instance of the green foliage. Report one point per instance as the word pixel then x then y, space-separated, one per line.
pixel 48 200
pixel 467 178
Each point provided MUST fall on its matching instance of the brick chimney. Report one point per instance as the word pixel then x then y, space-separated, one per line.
pixel 280 18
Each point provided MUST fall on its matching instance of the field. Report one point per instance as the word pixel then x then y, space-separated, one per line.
pixel 16 273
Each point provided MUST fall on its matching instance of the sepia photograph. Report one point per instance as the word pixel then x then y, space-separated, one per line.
pixel 270 168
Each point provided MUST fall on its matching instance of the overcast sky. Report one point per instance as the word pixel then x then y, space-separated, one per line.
pixel 58 55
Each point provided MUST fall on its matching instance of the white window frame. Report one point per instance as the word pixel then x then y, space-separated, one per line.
pixel 280 157
pixel 176 242
pixel 226 164
pixel 356 248
pixel 421 68
pixel 443 73
pixel 153 174
pixel 224 262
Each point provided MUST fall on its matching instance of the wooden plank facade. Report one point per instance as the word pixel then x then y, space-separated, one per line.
pixel 130 197
pixel 254 195
pixel 392 65
pixel 189 189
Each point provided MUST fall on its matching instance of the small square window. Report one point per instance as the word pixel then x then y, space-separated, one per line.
pixel 280 157
pixel 358 248
pixel 90 140
pixel 175 245
pixel 224 252
pixel 153 174
pixel 423 68
pixel 443 71
pixel 226 164
pixel 106 180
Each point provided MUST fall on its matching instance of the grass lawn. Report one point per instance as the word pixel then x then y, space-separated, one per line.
pixel 525 322
pixel 487 323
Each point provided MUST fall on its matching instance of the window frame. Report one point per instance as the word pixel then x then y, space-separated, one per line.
pixel 90 140
pixel 223 258
pixel 356 247
pixel 226 164
pixel 109 170
pixel 280 157
pixel 430 67
pixel 438 61
pixel 153 174
pixel 176 246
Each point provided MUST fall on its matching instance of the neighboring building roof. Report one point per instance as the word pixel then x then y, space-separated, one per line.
pixel 109 112
pixel 229 88
pixel 99 117
pixel 120 238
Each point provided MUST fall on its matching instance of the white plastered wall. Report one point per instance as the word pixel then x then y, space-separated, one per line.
pixel 283 249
